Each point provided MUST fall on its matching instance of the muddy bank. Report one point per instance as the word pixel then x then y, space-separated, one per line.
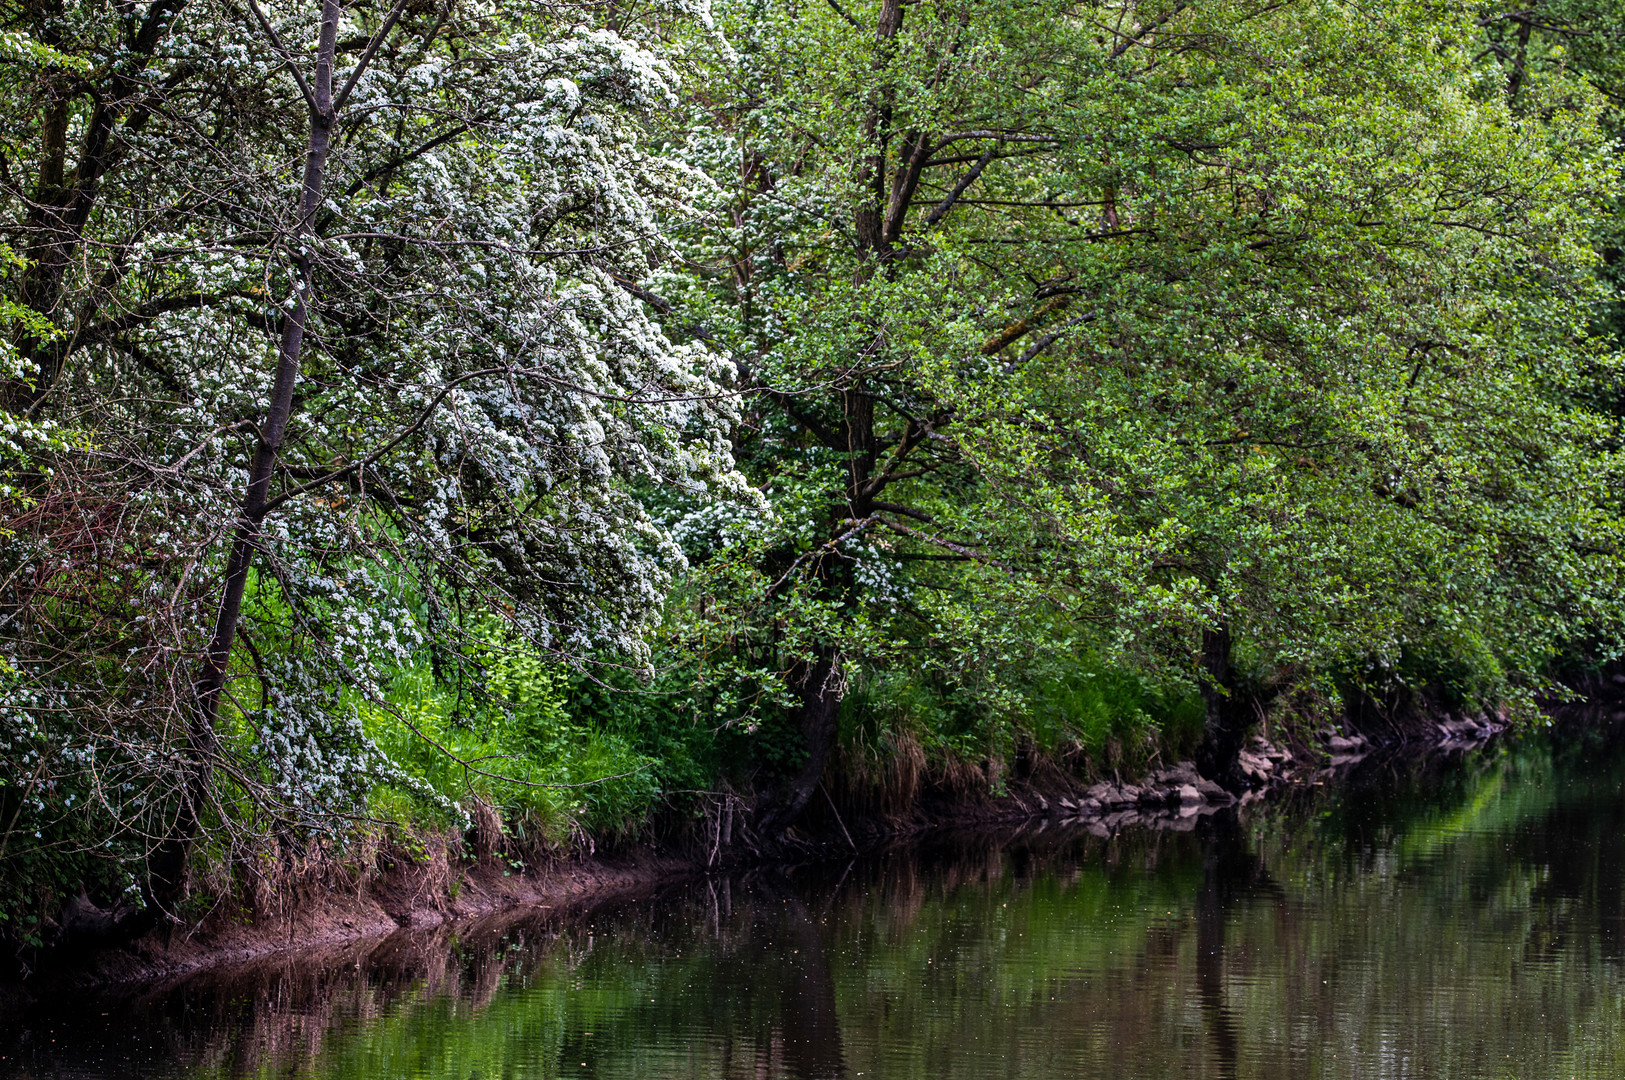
pixel 314 919
pixel 982 951
pixel 445 893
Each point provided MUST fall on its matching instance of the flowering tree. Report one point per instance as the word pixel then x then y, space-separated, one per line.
pixel 329 298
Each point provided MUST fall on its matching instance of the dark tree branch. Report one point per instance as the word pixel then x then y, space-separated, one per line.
pixel 897 508
pixel 903 187
pixel 366 57
pixel 284 53
pixel 400 437
pixel 839 10
pixel 1128 41
pixel 965 182
pixel 1022 327
pixel 411 155
pixel 947 545
pixel 147 313
pixel 1045 342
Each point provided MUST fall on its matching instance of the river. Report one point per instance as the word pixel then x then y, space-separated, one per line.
pixel 1433 915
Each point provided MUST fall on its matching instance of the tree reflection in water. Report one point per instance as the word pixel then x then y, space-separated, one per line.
pixel 808 1021
pixel 1426 920
pixel 1231 875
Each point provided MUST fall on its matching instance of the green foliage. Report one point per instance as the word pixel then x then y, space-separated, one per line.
pixel 1061 704
pixel 514 744
pixel 1092 703
pixel 1052 339
pixel 941 721
pixel 1264 317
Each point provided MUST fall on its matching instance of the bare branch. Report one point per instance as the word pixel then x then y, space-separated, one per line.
pixel 965 181
pixel 366 55
pixel 283 51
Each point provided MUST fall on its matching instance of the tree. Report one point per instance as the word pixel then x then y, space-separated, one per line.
pixel 1243 342
pixel 341 337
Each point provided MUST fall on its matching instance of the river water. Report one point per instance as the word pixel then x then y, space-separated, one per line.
pixel 1444 915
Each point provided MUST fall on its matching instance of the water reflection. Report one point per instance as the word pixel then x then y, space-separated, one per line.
pixel 1230 870
pixel 1435 918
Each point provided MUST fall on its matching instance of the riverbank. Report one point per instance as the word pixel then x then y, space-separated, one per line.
pixel 333 905
pixel 1346 909
pixel 320 916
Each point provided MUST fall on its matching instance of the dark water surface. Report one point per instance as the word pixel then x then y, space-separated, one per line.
pixel 1460 917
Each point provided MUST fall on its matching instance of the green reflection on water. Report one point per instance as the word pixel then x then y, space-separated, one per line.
pixel 1461 919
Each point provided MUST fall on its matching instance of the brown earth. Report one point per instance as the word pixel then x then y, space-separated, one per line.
pixel 317 919
pixel 331 909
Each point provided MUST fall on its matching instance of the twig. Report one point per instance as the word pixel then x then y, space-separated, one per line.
pixel 366 55
pixel 283 51
pixel 837 813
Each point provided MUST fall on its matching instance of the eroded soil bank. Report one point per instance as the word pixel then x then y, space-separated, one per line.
pixel 1454 908
pixel 440 892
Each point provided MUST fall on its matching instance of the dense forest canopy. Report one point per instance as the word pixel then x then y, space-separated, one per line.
pixel 551 421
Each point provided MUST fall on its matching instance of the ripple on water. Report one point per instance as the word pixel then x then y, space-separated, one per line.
pixel 1432 919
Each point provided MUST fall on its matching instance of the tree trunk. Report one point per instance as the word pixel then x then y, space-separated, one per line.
pixel 166 866
pixel 820 688
pixel 816 718
pixel 63 199
pixel 1229 713
pixel 870 223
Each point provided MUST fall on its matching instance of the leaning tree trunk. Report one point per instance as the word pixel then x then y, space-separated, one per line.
pixel 166 866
